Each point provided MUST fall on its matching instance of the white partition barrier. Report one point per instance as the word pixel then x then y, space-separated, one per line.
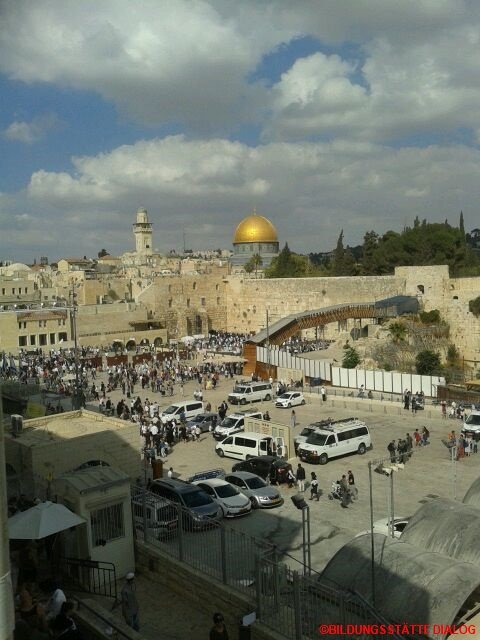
pixel 382 381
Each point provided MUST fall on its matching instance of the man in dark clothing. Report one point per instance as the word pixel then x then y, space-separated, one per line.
pixel 391 450
pixel 219 630
pixel 300 475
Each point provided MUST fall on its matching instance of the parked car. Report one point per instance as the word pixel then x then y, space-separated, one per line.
pixel 260 494
pixel 262 466
pixel 289 399
pixel 199 509
pixel 230 499
pixel 206 422
pixel 161 517
pixel 384 526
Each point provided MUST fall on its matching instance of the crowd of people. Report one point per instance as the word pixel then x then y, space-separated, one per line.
pixel 304 345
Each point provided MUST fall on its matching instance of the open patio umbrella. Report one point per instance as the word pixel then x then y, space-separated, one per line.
pixel 42 520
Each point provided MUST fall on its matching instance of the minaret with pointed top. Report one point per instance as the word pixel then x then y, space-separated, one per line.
pixel 142 230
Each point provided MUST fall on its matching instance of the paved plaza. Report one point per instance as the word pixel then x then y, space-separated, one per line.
pixel 430 472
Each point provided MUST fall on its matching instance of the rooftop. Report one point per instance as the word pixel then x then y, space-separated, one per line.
pixel 73 424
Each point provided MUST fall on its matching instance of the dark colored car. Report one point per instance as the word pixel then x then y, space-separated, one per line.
pixel 265 467
pixel 198 509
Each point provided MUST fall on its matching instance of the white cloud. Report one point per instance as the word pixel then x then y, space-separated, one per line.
pixel 33 131
pixel 309 190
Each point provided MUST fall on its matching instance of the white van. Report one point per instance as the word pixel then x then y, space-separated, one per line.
pixel 190 408
pixel 248 445
pixel 335 440
pixel 234 423
pixel 244 392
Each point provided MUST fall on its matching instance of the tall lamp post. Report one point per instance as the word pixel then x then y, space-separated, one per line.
pixel 299 501
pixel 77 394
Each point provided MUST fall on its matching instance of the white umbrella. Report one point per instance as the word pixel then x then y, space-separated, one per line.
pixel 42 520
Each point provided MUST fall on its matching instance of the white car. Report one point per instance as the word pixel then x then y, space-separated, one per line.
pixel 289 399
pixel 384 526
pixel 232 502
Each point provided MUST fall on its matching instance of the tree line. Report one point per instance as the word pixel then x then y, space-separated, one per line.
pixel 423 244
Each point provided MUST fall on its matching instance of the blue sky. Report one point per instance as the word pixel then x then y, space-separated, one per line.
pixel 359 115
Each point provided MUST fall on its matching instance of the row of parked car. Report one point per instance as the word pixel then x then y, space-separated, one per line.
pixel 207 497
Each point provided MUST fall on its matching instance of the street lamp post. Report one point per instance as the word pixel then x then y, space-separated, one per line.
pixel 299 501
pixel 76 397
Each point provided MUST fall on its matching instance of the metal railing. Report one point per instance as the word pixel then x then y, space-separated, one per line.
pixel 293 604
pixel 90 576
pixel 219 551
pixel 106 626
pixel 299 606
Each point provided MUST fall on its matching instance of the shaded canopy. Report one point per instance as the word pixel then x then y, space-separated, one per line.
pixel 447 527
pixel 412 585
pixel 472 496
pixel 42 520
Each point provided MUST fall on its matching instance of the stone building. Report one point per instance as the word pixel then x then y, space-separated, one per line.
pixel 51 446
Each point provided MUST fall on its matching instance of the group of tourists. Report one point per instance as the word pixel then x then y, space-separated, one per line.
pixel 466 445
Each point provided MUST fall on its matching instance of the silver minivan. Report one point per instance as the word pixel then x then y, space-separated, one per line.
pixel 245 392
pixel 190 408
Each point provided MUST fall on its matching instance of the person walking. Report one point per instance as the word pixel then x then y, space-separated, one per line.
pixel 391 448
pixel 345 492
pixel 130 608
pixel 300 476
pixel 293 419
pixel 291 479
pixel 314 487
pixel 351 485
pixel 219 630
pixel 323 393
pixel 170 473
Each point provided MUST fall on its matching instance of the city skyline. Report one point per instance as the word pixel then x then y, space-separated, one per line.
pixel 361 115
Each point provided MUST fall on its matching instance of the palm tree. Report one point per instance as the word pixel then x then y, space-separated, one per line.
pixel 398 332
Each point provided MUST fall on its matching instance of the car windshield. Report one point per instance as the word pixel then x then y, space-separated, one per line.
pixel 306 431
pixel 317 438
pixel 226 491
pixel 228 422
pixel 473 418
pixel 171 409
pixel 255 483
pixel 196 499
pixel 240 390
pixel 285 396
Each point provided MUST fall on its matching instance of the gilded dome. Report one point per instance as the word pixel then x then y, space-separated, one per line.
pixel 255 228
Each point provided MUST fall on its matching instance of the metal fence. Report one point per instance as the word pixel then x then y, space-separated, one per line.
pixel 289 601
pixel 307 607
pixel 219 551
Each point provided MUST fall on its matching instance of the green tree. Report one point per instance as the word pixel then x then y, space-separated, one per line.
pixel 474 306
pixel 427 362
pixel 290 265
pixel 453 355
pixel 369 254
pixel 397 331
pixel 254 264
pixel 350 358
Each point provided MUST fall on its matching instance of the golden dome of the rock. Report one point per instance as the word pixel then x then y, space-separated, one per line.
pixel 255 228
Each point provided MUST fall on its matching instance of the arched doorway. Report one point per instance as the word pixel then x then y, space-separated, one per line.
pixel 131 345
pixel 158 342
pixel 117 346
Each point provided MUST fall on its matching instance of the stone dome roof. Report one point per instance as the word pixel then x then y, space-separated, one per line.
pixel 15 268
pixel 255 228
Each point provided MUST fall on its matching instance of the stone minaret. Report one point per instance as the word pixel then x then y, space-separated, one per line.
pixel 142 230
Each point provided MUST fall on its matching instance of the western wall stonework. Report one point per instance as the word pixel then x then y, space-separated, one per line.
pixel 247 299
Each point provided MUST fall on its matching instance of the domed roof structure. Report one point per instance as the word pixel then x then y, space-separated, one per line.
pixel 255 228
pixel 16 267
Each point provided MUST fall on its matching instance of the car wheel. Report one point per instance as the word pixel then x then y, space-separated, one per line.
pixel 254 503
pixel 243 401
pixel 289 405
pixel 220 452
pixel 323 459
pixel 362 449
pixel 268 397
pixel 303 401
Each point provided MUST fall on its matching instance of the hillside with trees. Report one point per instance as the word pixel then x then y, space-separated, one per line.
pixel 421 245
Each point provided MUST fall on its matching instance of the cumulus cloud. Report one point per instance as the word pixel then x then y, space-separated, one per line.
pixel 33 131
pixel 309 190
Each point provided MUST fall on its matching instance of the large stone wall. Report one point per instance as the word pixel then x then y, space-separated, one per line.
pixel 247 300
